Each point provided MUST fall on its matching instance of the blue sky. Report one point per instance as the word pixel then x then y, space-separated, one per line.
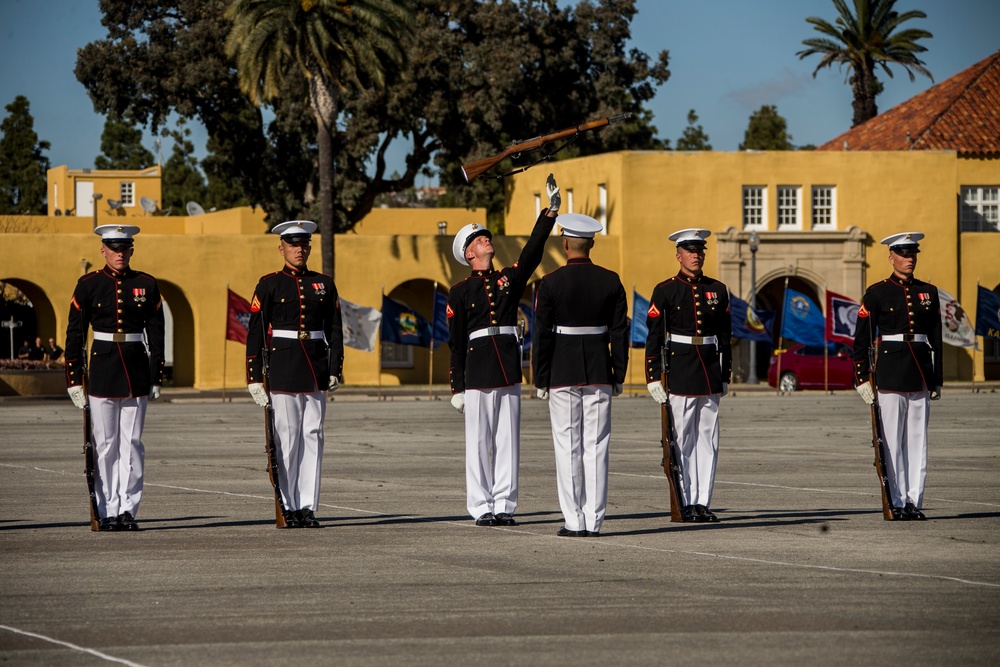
pixel 727 59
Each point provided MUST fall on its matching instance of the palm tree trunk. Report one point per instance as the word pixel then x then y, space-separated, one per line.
pixel 865 87
pixel 324 107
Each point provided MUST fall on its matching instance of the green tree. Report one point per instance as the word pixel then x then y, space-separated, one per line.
pixel 339 46
pixel 693 138
pixel 23 168
pixel 182 181
pixel 121 146
pixel 864 41
pixel 767 131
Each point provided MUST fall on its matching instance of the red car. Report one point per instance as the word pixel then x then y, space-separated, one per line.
pixel 802 368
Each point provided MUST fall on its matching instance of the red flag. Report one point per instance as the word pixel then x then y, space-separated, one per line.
pixel 841 318
pixel 238 320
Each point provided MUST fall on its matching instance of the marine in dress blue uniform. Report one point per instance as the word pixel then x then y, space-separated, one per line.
pixel 689 313
pixel 580 354
pixel 125 370
pixel 296 313
pixel 486 363
pixel 901 317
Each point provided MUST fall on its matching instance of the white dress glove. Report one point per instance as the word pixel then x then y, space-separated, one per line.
pixel 542 393
pixel 866 393
pixel 78 396
pixel 256 390
pixel 616 389
pixel 657 391
pixel 936 394
pixel 725 389
pixel 552 190
pixel 154 392
pixel 458 402
pixel 334 383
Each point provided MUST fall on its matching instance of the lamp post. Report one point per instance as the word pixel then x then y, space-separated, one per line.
pixel 11 324
pixel 97 196
pixel 754 242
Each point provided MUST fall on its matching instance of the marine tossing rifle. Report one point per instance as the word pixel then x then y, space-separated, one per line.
pixel 479 168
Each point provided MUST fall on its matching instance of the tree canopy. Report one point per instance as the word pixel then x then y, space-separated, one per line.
pixel 767 131
pixel 863 41
pixel 121 147
pixel 694 137
pixel 478 75
pixel 23 167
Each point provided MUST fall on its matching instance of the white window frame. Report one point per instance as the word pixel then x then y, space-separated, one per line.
pixel 754 207
pixel 538 205
pixel 602 207
pixel 789 207
pixel 569 201
pixel 126 193
pixel 824 205
pixel 979 208
pixel 397 356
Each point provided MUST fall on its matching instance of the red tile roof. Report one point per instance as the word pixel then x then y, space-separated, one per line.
pixel 960 114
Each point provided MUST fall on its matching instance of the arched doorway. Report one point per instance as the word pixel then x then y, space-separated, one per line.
pixel 180 338
pixel 25 302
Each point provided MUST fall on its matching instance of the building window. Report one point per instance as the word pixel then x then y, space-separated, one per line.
pixel 397 356
pixel 824 212
pixel 980 208
pixel 126 193
pixel 569 200
pixel 538 205
pixel 789 207
pixel 754 207
pixel 602 207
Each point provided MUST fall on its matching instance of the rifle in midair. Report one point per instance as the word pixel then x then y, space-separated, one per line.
pixel 478 169
pixel 671 459
pixel 878 443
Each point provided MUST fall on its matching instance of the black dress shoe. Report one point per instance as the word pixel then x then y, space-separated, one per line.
pixel 592 533
pixel 913 513
pixel 687 513
pixel 292 519
pixel 505 519
pixel 899 515
pixel 487 520
pixel 566 532
pixel 107 524
pixel 127 522
pixel 307 519
pixel 705 515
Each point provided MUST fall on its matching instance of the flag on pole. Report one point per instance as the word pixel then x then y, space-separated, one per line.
pixel 801 319
pixel 238 319
pixel 440 319
pixel 637 329
pixel 987 313
pixel 748 323
pixel 404 326
pixel 841 318
pixel 360 325
pixel 956 329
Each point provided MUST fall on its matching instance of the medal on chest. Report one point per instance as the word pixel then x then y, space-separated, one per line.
pixel 319 288
pixel 925 298
pixel 712 298
pixel 139 294
pixel 503 284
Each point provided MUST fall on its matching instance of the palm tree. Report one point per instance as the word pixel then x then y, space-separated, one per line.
pixel 340 45
pixel 863 41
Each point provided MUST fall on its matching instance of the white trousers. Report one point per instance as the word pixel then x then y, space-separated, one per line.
pixel 581 433
pixel 904 421
pixel 492 449
pixel 298 434
pixel 120 453
pixel 696 429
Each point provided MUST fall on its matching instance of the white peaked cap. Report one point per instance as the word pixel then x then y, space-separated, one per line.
pixel 462 239
pixel 903 240
pixel 693 235
pixel 579 225
pixel 116 232
pixel 294 228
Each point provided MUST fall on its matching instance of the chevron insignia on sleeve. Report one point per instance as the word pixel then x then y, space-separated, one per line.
pixel 255 304
pixel 862 311
pixel 653 310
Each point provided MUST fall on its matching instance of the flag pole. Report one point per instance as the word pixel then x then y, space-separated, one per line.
pixel 531 350
pixel 631 333
pixel 430 363
pixel 225 345
pixel 378 342
pixel 826 350
pixel 975 346
pixel 781 336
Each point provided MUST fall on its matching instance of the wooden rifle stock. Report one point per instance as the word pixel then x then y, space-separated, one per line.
pixel 671 463
pixel 878 443
pixel 89 453
pixel 270 447
pixel 475 169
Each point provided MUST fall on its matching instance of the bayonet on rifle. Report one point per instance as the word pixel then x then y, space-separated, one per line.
pixel 478 169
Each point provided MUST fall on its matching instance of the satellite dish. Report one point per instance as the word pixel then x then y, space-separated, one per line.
pixel 147 204
pixel 114 204
pixel 58 212
pixel 194 208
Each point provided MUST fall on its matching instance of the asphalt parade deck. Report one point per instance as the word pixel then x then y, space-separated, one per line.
pixel 801 569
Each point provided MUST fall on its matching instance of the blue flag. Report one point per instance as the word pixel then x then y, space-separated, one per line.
pixel 440 319
pixel 526 313
pixel 749 323
pixel 404 326
pixel 802 320
pixel 988 314
pixel 637 328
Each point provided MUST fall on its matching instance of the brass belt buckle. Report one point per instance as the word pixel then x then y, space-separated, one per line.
pixel 303 335
pixel 118 337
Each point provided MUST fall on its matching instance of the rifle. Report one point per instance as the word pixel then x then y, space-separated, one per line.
pixel 671 461
pixel 478 168
pixel 270 447
pixel 878 443
pixel 89 453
